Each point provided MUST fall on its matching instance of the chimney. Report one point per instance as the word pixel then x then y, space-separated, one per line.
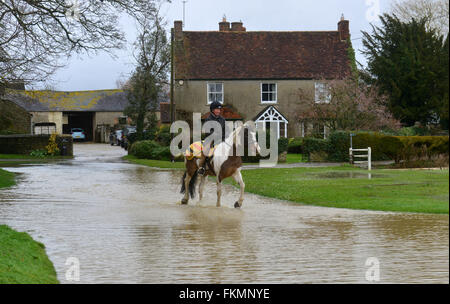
pixel 344 29
pixel 224 26
pixel 237 27
pixel 178 29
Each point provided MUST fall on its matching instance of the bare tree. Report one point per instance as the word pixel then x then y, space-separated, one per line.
pixel 349 105
pixel 151 74
pixel 36 37
pixel 435 12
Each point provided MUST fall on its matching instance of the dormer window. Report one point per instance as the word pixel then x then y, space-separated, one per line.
pixel 268 93
pixel 215 92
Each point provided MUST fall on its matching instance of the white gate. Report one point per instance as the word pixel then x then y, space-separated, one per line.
pixel 368 156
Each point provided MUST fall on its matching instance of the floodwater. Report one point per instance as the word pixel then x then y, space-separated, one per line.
pixel 124 223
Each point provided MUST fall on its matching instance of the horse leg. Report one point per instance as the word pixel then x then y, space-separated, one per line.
pixel 187 180
pixel 201 186
pixel 238 178
pixel 219 192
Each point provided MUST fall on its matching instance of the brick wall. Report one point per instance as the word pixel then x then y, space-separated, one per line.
pixel 24 144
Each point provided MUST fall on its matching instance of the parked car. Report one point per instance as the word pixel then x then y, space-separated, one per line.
pixel 126 131
pixel 115 138
pixel 78 133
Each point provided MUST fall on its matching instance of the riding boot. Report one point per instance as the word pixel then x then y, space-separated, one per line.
pixel 202 170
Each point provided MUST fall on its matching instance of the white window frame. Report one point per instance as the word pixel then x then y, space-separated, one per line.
pixel 321 92
pixel 276 92
pixel 208 92
pixel 272 115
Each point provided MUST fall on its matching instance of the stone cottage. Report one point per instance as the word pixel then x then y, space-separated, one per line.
pixel 256 73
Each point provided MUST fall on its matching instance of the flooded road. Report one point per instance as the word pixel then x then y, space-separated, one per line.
pixel 124 224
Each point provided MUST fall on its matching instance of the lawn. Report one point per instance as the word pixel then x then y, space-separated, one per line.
pixel 347 187
pixel 291 158
pixel 295 158
pixel 30 157
pixel 6 178
pixel 23 260
pixel 154 163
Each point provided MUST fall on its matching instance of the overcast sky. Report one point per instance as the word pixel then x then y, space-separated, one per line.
pixel 102 71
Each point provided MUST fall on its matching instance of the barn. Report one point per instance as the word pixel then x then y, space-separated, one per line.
pixel 96 112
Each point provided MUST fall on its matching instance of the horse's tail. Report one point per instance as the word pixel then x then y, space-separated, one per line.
pixel 192 183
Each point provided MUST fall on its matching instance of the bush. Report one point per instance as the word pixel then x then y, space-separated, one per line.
pixel 282 147
pixel 338 145
pixel 283 144
pixel 39 153
pixel 384 147
pixel 163 136
pixel 423 147
pixel 295 145
pixel 312 145
pixel 52 147
pixel 149 149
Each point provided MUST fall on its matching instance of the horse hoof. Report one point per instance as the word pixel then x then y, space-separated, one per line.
pixel 236 205
pixel 184 202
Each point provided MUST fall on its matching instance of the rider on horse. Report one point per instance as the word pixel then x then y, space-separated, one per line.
pixel 215 109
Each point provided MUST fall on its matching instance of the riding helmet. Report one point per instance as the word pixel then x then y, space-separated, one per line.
pixel 215 105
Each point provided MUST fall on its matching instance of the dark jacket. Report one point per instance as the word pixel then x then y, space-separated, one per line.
pixel 220 120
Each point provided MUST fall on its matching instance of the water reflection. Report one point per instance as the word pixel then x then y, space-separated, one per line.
pixel 125 224
pixel 350 174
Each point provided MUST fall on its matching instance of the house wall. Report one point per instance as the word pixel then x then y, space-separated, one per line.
pixel 112 118
pixel 26 143
pixel 245 96
pixel 56 117
pixel 14 119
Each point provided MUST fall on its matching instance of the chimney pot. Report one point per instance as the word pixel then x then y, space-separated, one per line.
pixel 178 29
pixel 224 26
pixel 344 29
pixel 237 26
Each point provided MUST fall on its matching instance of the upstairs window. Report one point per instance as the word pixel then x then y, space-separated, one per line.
pixel 322 93
pixel 268 92
pixel 215 92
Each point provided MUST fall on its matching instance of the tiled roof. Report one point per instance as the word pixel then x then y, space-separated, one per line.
pixel 261 55
pixel 95 101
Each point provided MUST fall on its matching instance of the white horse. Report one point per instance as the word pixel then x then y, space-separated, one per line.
pixel 223 164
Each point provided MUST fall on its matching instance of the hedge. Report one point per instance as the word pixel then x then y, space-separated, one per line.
pixel 149 149
pixel 384 147
pixel 295 145
pixel 282 147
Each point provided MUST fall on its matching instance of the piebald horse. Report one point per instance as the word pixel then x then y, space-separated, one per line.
pixel 223 164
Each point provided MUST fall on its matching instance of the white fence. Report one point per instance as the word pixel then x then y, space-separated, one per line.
pixel 368 156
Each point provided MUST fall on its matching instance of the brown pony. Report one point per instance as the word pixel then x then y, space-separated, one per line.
pixel 223 164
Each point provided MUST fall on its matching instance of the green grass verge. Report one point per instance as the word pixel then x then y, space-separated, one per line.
pixel 30 157
pixel 164 164
pixel 292 158
pixel 424 191
pixel 154 163
pixel 7 178
pixel 23 260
